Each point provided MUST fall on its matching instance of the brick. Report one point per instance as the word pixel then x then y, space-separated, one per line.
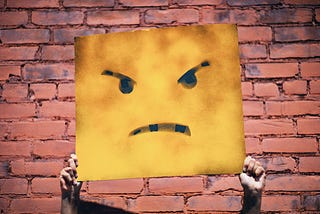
pixel 294 50
pixel 308 126
pixel 113 17
pixel 36 205
pixel 290 145
pixel 268 126
pixel 252 108
pixel 198 2
pixel 309 164
pixel 304 2
pixel 57 109
pixel 311 202
pixel 116 186
pixel 7 70
pixel 318 15
pixel 4 130
pixel 56 71
pixel 53 148
pixel 252 2
pixel 20 36
pixel 66 90
pixel 22 110
pixel 295 87
pixel 15 148
pixel 15 92
pixel 142 3
pixel 88 3
pixel 278 163
pixel 57 17
pixel 315 87
pixel 37 130
pixel 280 203
pixel 219 183
pixel 253 146
pixel 286 15
pixel 39 167
pixel 4 205
pixel 43 90
pixel 109 201
pixel 45 185
pixel 250 34
pixel 66 35
pixel 13 186
pixel 13 18
pixel 248 51
pixel 32 3
pixel 72 128
pixel 246 88
pixel 288 34
pixel 271 70
pixel 244 17
pixel 4 168
pixel 310 69
pixel 292 183
pixel 173 185
pixel 2 3
pixel 157 204
pixel 172 16
pixel 18 53
pixel 57 52
pixel 214 203
pixel 266 90
pixel 293 107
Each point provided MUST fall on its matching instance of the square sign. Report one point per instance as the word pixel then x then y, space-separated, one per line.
pixel 159 102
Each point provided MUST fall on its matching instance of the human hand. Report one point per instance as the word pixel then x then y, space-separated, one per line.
pixel 253 177
pixel 68 179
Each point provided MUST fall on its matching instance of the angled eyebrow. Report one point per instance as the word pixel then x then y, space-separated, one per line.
pixel 116 75
pixel 193 70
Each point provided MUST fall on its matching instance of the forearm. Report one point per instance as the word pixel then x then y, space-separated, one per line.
pixel 251 202
pixel 69 204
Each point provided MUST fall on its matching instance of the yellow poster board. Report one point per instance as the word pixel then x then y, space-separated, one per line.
pixel 159 102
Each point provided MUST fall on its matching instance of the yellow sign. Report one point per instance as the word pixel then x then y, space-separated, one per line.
pixel 159 102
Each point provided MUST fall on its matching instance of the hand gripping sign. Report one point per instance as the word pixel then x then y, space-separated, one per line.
pixel 159 102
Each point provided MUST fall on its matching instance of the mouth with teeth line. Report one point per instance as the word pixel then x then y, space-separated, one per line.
pixel 157 127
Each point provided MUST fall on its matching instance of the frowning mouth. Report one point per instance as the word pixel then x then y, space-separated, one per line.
pixel 169 127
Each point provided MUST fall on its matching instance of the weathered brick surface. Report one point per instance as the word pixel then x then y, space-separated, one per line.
pixel 113 17
pixel 172 185
pixel 18 36
pixel 157 203
pixel 171 16
pixel 116 186
pixel 48 71
pixel 214 203
pixel 290 145
pixel 280 83
pixel 280 203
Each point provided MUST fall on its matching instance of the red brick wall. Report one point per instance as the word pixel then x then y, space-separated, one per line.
pixel 280 62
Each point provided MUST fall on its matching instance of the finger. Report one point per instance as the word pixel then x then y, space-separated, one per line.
pixel 67 173
pixel 259 171
pixel 72 164
pixel 63 184
pixel 75 159
pixel 251 166
pixel 246 163
pixel 67 179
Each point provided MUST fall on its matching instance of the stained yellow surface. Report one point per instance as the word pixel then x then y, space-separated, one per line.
pixel 153 61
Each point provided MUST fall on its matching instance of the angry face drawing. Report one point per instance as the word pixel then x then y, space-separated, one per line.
pixel 159 102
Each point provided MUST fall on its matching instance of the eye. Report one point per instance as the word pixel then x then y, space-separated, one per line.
pixel 126 85
pixel 189 79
